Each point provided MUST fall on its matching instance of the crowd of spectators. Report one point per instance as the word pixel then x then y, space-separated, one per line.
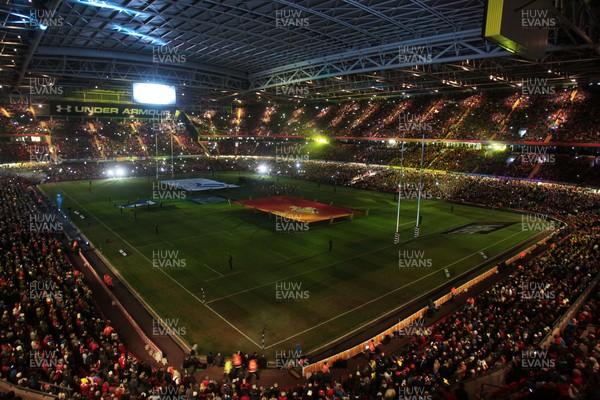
pixel 466 158
pixel 18 119
pixel 581 123
pixel 124 139
pixel 15 152
pixel 267 188
pixel 564 115
pixel 574 354
pixel 72 140
pixel 53 340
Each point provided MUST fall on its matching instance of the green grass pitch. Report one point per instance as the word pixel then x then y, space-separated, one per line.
pixel 340 290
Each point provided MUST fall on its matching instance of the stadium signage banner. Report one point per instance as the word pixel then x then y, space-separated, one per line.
pixel 65 108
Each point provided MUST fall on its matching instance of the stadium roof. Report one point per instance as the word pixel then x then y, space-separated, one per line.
pixel 331 49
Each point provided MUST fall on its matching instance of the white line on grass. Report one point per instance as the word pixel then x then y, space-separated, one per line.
pixel 304 272
pixel 279 254
pixel 388 293
pixel 219 277
pixel 169 276
pixel 212 269
pixel 298 274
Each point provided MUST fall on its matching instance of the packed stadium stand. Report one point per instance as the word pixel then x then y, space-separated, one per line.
pixel 494 330
pixel 488 106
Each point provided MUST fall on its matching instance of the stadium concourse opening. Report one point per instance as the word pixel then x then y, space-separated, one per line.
pixel 298 209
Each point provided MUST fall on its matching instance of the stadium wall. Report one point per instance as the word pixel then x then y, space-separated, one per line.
pixel 147 306
pixel 153 349
pixel 156 352
pixel 24 392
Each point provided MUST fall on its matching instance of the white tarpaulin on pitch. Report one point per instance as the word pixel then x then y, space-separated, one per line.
pixel 197 184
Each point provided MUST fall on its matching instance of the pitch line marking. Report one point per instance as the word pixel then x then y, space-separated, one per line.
pixel 388 293
pixel 298 274
pixel 279 254
pixel 304 272
pixel 222 276
pixel 169 276
pixel 212 269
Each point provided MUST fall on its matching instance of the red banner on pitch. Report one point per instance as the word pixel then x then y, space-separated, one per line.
pixel 297 209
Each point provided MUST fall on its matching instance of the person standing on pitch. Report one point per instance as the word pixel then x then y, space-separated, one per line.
pixel 330 245
pixel 230 262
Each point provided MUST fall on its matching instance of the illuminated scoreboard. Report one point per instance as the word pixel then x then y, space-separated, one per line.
pixel 154 93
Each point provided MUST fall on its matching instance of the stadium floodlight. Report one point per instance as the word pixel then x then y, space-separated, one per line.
pixel 497 147
pixel 154 93
pixel 110 172
pixel 119 172
pixel 321 140
pixel 262 169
